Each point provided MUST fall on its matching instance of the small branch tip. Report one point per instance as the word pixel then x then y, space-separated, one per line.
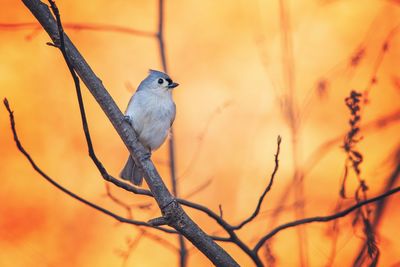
pixel 7 105
pixel 52 44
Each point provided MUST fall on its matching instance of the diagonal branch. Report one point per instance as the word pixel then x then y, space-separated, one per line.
pixel 323 218
pixel 99 165
pixel 271 181
pixel 170 208
pixel 61 45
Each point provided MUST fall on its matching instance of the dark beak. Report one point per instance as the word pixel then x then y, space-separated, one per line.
pixel 172 85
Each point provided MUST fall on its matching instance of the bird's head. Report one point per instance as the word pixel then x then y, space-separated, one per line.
pixel 157 81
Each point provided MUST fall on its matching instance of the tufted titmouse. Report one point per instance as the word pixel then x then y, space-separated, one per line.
pixel 151 112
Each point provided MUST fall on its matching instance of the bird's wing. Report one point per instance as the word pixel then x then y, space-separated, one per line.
pixel 136 110
pixel 173 115
pixel 129 103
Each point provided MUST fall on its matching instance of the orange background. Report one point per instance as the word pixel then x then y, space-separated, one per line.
pixel 227 57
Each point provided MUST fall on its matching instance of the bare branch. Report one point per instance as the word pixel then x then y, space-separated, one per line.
pixel 169 207
pixel 227 227
pixel 323 218
pixel 221 211
pixel 73 195
pixel 267 189
pixel 132 244
pixel 257 210
pixel 380 206
pixel 119 202
pixel 66 191
pixel 124 220
pixel 321 151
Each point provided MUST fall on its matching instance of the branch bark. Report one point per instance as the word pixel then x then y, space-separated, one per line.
pixel 170 208
pixel 267 189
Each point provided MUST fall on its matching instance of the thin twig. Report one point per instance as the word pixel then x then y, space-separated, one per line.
pixel 132 244
pixel 320 152
pixel 66 191
pixel 227 227
pixel 267 189
pixel 324 218
pixel 73 195
pixel 92 154
pixel 118 201
pixel 379 209
pixel 85 126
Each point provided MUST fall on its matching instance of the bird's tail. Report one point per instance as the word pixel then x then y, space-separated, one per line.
pixel 131 172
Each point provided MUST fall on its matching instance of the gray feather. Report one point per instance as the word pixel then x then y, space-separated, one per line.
pixel 151 112
pixel 132 173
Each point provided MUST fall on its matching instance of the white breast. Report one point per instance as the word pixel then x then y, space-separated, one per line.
pixel 152 115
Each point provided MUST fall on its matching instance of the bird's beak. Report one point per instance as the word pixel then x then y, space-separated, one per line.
pixel 172 85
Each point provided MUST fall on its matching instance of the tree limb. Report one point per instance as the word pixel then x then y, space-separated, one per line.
pixel 66 191
pixel 267 189
pixel 169 207
pixel 75 196
pixel 323 218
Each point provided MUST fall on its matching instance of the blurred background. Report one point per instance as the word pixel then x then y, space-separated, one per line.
pixel 248 72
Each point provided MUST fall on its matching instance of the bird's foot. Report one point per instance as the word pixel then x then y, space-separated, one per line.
pixel 147 155
pixel 127 118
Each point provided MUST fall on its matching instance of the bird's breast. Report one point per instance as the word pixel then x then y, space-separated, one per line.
pixel 151 118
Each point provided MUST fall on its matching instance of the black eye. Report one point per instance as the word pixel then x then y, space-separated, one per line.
pixel 160 81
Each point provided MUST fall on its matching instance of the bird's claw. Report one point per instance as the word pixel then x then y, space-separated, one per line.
pixel 147 155
pixel 127 118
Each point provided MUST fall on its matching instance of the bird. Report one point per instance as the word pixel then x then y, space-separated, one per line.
pixel 151 112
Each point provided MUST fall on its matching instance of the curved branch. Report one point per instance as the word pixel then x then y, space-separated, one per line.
pixel 323 218
pixel 65 190
pixel 271 181
pixel 75 196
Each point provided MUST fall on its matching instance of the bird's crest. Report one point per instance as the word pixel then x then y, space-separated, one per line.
pixel 158 73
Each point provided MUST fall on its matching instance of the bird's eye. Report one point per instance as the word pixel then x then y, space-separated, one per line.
pixel 160 81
